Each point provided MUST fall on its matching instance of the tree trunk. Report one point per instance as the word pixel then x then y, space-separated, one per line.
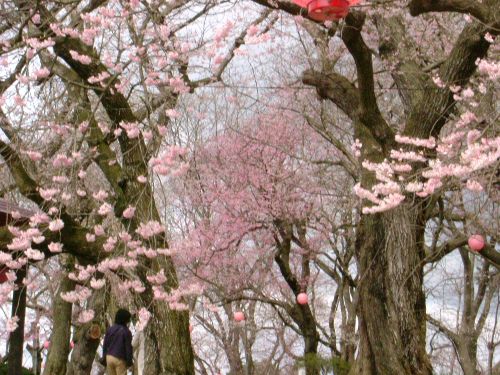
pixel 57 358
pixel 84 351
pixel 234 359
pixel 16 338
pixel 304 318
pixel 392 303
pixel 175 352
pixel 467 356
pixel 348 343
pixel 311 355
pixel 168 349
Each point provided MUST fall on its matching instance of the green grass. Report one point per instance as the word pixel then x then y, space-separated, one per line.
pixel 336 364
pixel 3 370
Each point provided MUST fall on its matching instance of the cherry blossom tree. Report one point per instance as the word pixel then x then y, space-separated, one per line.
pixel 395 170
pixel 99 82
pixel 431 90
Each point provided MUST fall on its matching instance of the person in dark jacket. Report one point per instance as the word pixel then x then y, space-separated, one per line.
pixel 117 348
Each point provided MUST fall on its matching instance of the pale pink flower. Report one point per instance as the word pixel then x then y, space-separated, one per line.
pixel 150 229
pixel 55 247
pixel 81 193
pixel 158 278
pixel 125 236
pixel 61 160
pixel 99 230
pixel 252 30
pixel 97 283
pixel 144 316
pixel 38 239
pixel 60 179
pixel 56 225
pixel 421 142
pixel 19 244
pixel 34 155
pixel 101 195
pixel 178 306
pixel 12 324
pixel 48 194
pixel 5 257
pixel 17 264
pixel 39 218
pixel 129 212
pixel 86 316
pixel 474 185
pixel 34 254
pixel 41 73
pixel 105 209
pixel 110 244
pixel 489 38
pixel 36 18
pixel 85 60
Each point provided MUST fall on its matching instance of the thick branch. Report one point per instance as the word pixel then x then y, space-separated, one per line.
pixel 336 88
pixel 370 114
pixel 431 113
pixel 474 8
pixel 488 252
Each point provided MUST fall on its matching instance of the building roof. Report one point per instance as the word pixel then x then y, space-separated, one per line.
pixel 6 209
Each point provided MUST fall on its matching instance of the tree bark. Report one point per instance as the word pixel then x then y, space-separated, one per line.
pixel 392 303
pixel 168 348
pixel 16 338
pixel 84 351
pixel 57 358
pixel 301 314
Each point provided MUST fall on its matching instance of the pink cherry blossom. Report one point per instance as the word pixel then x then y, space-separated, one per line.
pixel 55 247
pixel 86 316
pixel 129 212
pixel 56 225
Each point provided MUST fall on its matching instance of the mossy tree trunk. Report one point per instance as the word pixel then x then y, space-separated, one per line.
pixel 85 347
pixel 392 303
pixel 59 349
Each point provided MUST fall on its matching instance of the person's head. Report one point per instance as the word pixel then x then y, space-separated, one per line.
pixel 122 317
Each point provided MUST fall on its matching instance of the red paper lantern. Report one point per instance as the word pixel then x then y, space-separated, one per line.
pixel 3 275
pixel 239 316
pixel 302 299
pixel 46 344
pixel 326 10
pixel 476 242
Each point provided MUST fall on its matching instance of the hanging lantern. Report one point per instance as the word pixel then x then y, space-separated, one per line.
pixel 3 275
pixel 46 344
pixel 239 316
pixel 302 299
pixel 476 242
pixel 326 10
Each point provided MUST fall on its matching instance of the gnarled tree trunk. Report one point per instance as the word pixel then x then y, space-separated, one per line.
pixel 84 351
pixel 57 358
pixel 392 302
